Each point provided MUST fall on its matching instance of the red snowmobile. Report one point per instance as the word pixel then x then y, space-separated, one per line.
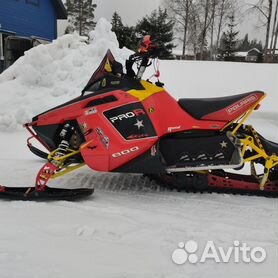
pixel 121 123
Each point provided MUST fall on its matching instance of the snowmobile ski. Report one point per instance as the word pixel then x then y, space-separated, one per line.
pixel 31 194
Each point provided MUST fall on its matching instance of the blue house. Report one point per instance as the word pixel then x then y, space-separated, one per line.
pixel 28 18
pixel 23 20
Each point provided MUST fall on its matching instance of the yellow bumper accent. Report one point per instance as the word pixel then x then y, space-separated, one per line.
pixel 67 170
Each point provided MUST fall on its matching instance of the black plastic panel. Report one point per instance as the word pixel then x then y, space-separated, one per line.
pixel 132 121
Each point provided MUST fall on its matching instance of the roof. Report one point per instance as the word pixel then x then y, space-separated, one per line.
pixel 246 53
pixel 255 49
pixel 60 9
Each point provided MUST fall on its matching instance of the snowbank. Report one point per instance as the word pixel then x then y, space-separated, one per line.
pixel 48 75
pixel 215 79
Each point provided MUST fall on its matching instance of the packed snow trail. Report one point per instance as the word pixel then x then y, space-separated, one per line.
pixel 123 230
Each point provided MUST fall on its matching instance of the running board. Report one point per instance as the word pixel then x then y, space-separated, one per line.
pixel 236 162
pixel 203 168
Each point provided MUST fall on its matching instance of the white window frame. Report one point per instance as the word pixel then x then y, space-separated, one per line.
pixel 1 47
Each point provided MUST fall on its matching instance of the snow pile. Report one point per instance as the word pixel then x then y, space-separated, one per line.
pixel 49 75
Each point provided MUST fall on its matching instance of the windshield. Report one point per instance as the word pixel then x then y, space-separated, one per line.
pixel 104 79
pixel 103 69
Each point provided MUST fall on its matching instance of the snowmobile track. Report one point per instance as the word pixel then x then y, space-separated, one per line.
pixel 144 184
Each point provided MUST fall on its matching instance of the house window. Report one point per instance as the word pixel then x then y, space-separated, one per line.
pixel 35 3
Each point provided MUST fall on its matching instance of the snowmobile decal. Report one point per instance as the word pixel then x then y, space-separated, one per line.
pixel 173 128
pixel 103 138
pixel 128 115
pixel 248 100
pixel 150 90
pixel 91 111
pixel 131 121
pixel 238 108
pixel 125 152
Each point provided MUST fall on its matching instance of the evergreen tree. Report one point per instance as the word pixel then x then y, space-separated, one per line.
pixel 81 16
pixel 118 28
pixel 256 44
pixel 125 34
pixel 230 40
pixel 245 44
pixel 116 22
pixel 160 27
pixel 131 40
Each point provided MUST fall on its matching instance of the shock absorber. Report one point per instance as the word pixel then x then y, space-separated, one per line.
pixel 56 161
pixel 65 135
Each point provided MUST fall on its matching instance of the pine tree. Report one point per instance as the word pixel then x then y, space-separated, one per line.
pixel 81 16
pixel 256 44
pixel 118 28
pixel 230 39
pixel 125 34
pixel 160 27
pixel 131 40
pixel 245 44
pixel 116 22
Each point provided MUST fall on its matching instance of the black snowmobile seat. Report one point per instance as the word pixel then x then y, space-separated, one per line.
pixel 198 108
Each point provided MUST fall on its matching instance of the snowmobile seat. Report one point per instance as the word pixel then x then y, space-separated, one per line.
pixel 200 108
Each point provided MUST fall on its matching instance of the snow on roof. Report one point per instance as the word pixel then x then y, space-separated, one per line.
pixel 255 49
pixel 245 53
pixel 241 54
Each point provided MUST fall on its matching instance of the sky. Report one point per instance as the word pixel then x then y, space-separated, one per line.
pixel 133 10
pixel 130 10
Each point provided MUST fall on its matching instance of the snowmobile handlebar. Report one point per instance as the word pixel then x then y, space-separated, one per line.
pixel 153 52
pixel 144 59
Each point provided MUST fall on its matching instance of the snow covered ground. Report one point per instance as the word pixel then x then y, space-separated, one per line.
pixel 128 228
